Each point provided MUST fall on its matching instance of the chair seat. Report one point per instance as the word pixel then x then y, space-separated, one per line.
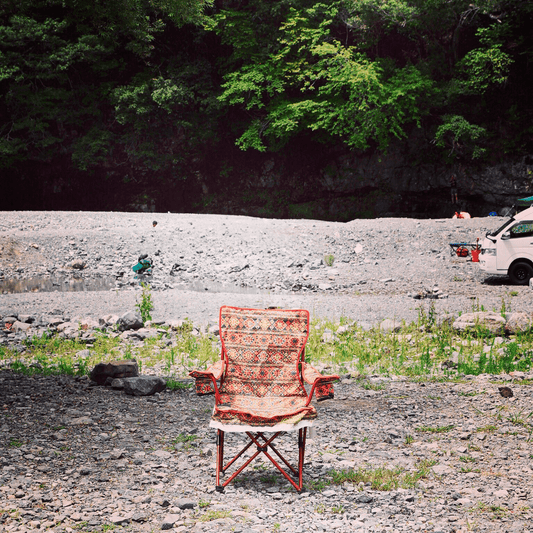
pixel 262 411
pixel 243 428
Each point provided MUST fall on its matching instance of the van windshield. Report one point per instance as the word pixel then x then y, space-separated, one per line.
pixel 501 228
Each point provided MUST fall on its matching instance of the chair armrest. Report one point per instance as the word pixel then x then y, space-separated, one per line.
pixel 206 380
pixel 323 385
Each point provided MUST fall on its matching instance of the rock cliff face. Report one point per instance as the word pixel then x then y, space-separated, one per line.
pixel 301 181
pixel 347 185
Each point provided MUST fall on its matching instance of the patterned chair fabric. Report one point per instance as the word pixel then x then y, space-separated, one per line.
pixel 262 371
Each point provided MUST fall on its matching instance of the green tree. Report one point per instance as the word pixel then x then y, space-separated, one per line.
pixel 61 63
pixel 314 82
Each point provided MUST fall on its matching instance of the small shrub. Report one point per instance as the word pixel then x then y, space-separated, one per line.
pixel 145 304
pixel 329 259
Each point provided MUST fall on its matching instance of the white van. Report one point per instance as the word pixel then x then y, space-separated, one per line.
pixel 509 249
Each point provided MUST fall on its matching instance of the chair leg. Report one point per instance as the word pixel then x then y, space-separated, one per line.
pixel 261 448
pixel 301 455
pixel 220 459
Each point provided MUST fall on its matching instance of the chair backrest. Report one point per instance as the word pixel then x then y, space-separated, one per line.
pixel 262 349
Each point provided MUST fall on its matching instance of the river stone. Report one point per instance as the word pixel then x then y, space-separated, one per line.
pixel 185 503
pixel 144 385
pixel 389 325
pixel 517 322
pixel 113 370
pixel 9 320
pixel 20 326
pixel 117 383
pixel 486 319
pixel 169 521
pixel 442 470
pixel 77 264
pixel 130 320
pixel 108 320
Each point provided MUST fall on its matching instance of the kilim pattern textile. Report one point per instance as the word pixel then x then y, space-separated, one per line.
pixel 261 381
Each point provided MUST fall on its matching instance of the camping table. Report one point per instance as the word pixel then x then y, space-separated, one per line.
pixel 454 246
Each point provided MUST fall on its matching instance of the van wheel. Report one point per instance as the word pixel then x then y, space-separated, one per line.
pixel 520 273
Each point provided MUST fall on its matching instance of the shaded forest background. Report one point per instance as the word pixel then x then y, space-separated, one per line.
pixel 287 108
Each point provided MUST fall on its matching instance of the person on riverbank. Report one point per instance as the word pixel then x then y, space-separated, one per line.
pixel 453 189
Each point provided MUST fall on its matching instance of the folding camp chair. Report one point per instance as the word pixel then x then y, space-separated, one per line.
pixel 261 390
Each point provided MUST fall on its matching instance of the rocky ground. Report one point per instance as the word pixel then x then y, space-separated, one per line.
pixel 81 458
pixel 204 261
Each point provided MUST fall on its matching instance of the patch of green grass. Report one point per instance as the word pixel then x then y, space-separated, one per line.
pixel 468 469
pixel 175 385
pixel 316 485
pixel 320 508
pixel 420 351
pixel 144 303
pixel 53 355
pixel 15 443
pixel 367 385
pixel 417 351
pixel 338 509
pixel 488 429
pixel 270 479
pixel 214 515
pixel 436 429
pixel 471 393
pixel 383 478
pixel 184 441
pixel 495 510
pixel 518 419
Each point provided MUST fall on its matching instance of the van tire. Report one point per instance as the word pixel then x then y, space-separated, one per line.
pixel 520 273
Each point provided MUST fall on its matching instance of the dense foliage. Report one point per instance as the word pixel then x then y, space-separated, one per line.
pixel 164 94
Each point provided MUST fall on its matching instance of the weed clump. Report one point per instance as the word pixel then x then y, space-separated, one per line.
pixel 145 305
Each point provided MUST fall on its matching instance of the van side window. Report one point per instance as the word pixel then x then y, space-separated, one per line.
pixel 524 229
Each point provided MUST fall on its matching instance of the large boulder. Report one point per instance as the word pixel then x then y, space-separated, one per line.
pixel 518 322
pixel 130 320
pixel 389 325
pixel 494 322
pixel 108 320
pixel 20 326
pixel 113 370
pixel 144 385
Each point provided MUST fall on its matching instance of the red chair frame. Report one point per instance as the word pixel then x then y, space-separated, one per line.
pixel 261 389
pixel 261 448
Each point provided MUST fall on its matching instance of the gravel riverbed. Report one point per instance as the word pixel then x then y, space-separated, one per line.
pixel 74 457
pixel 204 261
